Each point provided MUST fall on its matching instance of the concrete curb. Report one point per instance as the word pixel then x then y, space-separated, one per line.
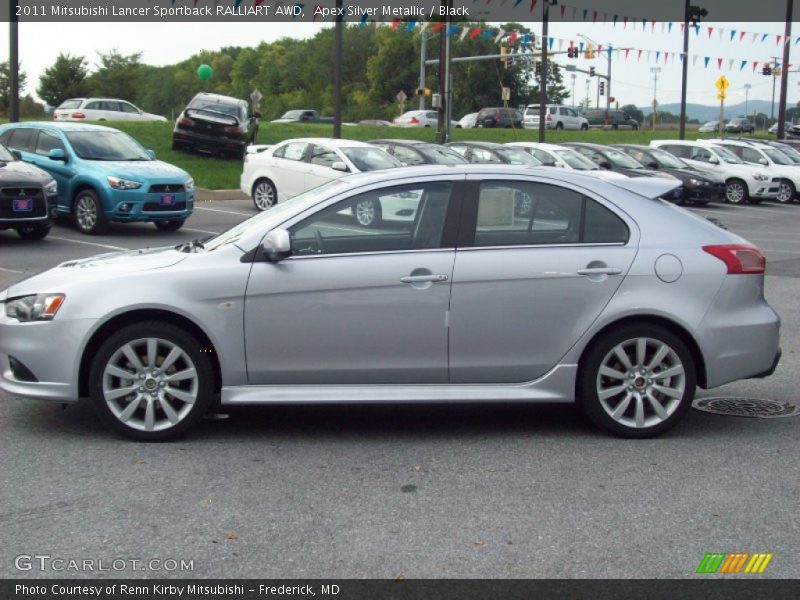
pixel 206 195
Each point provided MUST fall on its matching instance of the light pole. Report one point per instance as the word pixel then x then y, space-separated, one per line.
pixel 747 87
pixel 691 15
pixel 785 72
pixel 655 71
pixel 574 77
pixel 772 106
pixel 543 69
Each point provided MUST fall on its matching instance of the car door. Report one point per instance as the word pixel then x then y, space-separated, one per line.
pixel 61 170
pixel 355 305
pixel 287 169
pixel 525 289
pixel 128 112
pixel 318 169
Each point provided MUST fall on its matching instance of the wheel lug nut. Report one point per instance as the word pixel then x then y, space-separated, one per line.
pixel 141 389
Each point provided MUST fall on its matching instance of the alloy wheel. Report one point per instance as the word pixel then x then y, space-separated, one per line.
pixel 735 192
pixel 365 212
pixel 264 195
pixel 87 212
pixel 786 192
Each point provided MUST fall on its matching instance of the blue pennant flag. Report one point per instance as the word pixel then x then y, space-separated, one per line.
pixel 517 3
pixel 658 55
pixel 744 62
pixel 451 30
pixel 706 59
pixel 615 20
pixel 580 47
pixel 733 34
pixel 411 25
pixel 550 42
pixel 763 37
pixel 487 34
pixel 669 27
pixel 363 21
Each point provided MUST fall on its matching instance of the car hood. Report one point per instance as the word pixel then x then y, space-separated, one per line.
pixel 686 174
pixel 113 264
pixel 19 172
pixel 285 121
pixel 140 170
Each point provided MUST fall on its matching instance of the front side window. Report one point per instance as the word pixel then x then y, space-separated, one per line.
pixel 46 142
pixel 370 159
pixel 481 155
pixel 412 218
pixel 701 154
pixel 324 157
pixel 518 213
pixel 678 150
pixel 408 156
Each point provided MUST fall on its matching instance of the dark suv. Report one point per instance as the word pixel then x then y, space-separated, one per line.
pixel 215 124
pixel 27 197
pixel 740 125
pixel 499 117
pixel 610 119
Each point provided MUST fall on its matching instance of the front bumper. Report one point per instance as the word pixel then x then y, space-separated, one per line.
pixel 50 350
pixel 134 205
pixel 765 189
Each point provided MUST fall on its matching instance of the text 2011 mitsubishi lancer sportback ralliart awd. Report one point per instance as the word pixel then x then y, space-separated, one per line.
pixel 600 294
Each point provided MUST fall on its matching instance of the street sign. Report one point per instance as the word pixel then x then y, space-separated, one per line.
pixel 721 95
pixel 255 98
pixel 570 68
pixel 722 83
pixel 506 95
pixel 401 97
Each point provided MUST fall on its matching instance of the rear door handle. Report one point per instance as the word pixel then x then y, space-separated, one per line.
pixel 423 278
pixel 600 271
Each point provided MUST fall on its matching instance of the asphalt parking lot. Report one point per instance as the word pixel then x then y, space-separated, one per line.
pixel 419 491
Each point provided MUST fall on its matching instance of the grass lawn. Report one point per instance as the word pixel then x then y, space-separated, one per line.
pixel 215 173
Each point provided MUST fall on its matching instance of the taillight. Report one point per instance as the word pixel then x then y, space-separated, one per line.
pixel 185 121
pixel 741 259
pixel 78 115
pixel 549 117
pixel 233 129
pixel 414 121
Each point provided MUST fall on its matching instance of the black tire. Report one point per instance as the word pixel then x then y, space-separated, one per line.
pixel 368 213
pixel 87 201
pixel 190 413
pixel 170 225
pixel 34 232
pixel 787 192
pixel 559 125
pixel 634 128
pixel 736 191
pixel 590 378
pixel 264 194
pixel 584 127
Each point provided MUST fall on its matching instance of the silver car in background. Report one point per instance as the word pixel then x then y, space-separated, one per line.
pixel 600 294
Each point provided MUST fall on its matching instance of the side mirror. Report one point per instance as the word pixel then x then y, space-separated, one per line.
pixel 604 164
pixel 713 160
pixel 151 154
pixel 16 154
pixel 339 166
pixel 277 245
pixel 763 161
pixel 57 154
pixel 652 165
pixel 549 163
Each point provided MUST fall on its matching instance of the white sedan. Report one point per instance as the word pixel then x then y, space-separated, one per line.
pixel 101 109
pixel 294 166
pixel 553 155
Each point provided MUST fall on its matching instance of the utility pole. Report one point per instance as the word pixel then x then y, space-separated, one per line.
pixel 655 71
pixel 785 71
pixel 574 77
pixel 586 100
pixel 691 16
pixel 543 68
pixel 443 124
pixel 337 72
pixel 423 51
pixel 772 106
pixel 13 64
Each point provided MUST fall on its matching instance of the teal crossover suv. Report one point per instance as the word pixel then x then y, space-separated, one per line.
pixel 103 175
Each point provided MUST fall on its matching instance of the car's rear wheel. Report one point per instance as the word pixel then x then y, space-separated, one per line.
pixel 637 381
pixel 368 213
pixel 34 232
pixel 559 125
pixel 264 194
pixel 787 191
pixel 170 225
pixel 151 381
pixel 736 191
pixel 584 127
pixel 87 213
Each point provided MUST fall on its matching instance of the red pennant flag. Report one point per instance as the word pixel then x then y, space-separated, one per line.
pixel 599 48
pixel 563 8
pixel 710 31
pixel 513 37
pixel 755 64
pixel 438 27
pixel 594 16
pixel 683 26
pixel 533 5
pixel 741 35
pixel 625 22
pixel 476 31
pixel 395 24
pixel 255 2
pixel 652 25
pixel 666 56
pixel 627 50
pixel 719 63
pixel 640 55
pixel 778 39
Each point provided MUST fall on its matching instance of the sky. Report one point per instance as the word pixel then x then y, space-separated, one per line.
pixel 632 81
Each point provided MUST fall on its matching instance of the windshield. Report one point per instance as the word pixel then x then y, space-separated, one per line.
pixel 728 156
pixel 576 160
pixel 106 145
pixel 226 109
pixel 370 159
pixel 665 159
pixel 284 209
pixel 622 160
pixel 292 114
pixel 67 104
pixel 793 154
pixel 5 155
pixel 512 156
pixel 443 156
pixel 778 157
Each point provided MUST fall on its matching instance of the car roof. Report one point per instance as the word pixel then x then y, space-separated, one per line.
pixel 597 147
pixel 218 98
pixel 487 145
pixel 60 125
pixel 335 142
pixel 743 143
pixel 637 146
pixel 397 141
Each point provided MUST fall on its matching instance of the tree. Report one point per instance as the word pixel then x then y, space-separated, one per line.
pixel 66 78
pixel 5 86
pixel 631 110
pixel 118 75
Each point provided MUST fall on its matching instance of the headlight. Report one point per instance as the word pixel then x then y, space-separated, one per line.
pixel 51 188
pixel 760 177
pixel 37 307
pixel 123 184
pixel 189 185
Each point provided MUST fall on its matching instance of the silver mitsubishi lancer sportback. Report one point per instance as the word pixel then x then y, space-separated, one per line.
pixel 489 284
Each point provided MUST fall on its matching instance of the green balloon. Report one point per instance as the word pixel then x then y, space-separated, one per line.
pixel 205 72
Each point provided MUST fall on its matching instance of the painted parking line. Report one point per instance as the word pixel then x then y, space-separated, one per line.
pixel 228 212
pixel 200 230
pixel 108 246
pixel 10 270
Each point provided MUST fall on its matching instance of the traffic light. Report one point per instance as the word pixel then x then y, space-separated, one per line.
pixel 572 52
pixel 537 66
pixel 554 69
pixel 602 88
pixel 767 70
pixel 591 72
pixel 589 53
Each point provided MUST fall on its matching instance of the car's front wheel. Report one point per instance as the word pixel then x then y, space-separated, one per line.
pixel 264 194
pixel 736 191
pixel 584 127
pixel 637 381
pixel 169 225
pixel 151 381
pixel 34 232
pixel 367 213
pixel 787 191
pixel 87 213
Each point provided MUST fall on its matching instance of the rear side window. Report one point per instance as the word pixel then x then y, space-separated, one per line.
pixel 677 150
pixel 292 151
pixel 69 104
pixel 517 213
pixel 110 105
pixel 22 139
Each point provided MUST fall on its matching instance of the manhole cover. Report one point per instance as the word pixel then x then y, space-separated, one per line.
pixel 747 407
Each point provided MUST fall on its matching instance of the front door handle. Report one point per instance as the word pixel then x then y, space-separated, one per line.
pixel 423 278
pixel 600 271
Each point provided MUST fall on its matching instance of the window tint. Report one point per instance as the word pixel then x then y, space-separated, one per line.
pixel 46 142
pixel 22 139
pixel 481 155
pixel 129 108
pixel 678 150
pixel 412 217
pixel 522 213
pixel 92 106
pixel 292 151
pixel 324 157
pixel 408 156
pixel 110 105
pixel 68 104
pixel 747 154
